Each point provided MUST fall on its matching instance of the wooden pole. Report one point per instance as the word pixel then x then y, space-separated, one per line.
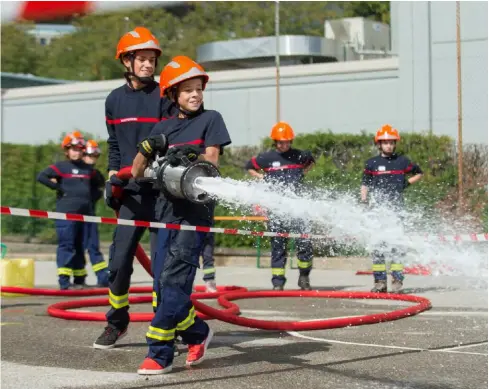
pixel 277 57
pixel 459 101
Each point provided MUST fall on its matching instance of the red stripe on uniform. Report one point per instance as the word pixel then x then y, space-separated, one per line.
pixel 269 169
pixel 56 169
pixel 74 217
pixel 5 210
pixel 68 175
pixel 192 142
pixel 376 173
pixel 36 213
pixel 132 120
pixel 255 164
pixel 47 10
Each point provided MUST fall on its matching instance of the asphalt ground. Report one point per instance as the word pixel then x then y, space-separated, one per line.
pixel 445 347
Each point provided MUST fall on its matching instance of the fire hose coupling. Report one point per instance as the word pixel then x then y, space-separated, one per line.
pixel 176 173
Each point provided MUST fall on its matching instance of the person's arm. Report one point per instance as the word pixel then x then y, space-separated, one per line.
pixel 139 165
pixel 366 183
pixel 211 154
pixel 148 147
pixel 114 155
pixel 309 161
pixel 364 193
pixel 215 139
pixel 253 167
pixel 416 171
pixel 50 177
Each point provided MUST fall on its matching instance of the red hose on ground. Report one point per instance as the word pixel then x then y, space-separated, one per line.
pixel 229 314
pixel 423 304
pixel 224 297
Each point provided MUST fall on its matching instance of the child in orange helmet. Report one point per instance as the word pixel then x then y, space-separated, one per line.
pixel 74 181
pixel 131 111
pixel 385 178
pixel 285 165
pixel 91 241
pixel 195 131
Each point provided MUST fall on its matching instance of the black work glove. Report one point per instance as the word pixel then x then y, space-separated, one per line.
pixel 112 201
pixel 113 192
pixel 307 158
pixel 149 146
pixel 182 156
pixel 59 192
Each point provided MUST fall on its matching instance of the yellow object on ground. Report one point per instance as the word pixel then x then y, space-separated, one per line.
pixel 17 272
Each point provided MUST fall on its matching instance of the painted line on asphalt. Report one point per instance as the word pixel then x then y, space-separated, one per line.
pixel 298 335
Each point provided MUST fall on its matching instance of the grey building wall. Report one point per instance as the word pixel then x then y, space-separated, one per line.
pixel 415 91
pixel 343 97
pixel 425 38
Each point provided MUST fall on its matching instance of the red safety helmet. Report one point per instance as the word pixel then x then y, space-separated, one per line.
pixel 282 131
pixel 73 139
pixel 387 133
pixel 138 39
pixel 92 148
pixel 179 69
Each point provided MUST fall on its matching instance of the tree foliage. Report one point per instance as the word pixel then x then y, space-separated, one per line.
pixel 339 164
pixel 20 52
pixel 88 54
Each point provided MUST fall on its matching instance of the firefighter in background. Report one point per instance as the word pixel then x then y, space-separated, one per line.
pixel 285 166
pixel 91 241
pixel 196 131
pixel 74 182
pixel 131 112
pixel 383 183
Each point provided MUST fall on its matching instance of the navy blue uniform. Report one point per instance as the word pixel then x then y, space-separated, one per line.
pixel 130 116
pixel 386 180
pixel 177 253
pixel 76 181
pixel 91 242
pixel 208 258
pixel 285 169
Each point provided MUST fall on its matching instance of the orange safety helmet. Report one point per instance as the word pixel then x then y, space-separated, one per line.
pixel 138 39
pixel 387 133
pixel 92 148
pixel 282 131
pixel 73 139
pixel 179 69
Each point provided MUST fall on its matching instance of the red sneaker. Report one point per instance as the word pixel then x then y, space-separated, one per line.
pixel 196 352
pixel 151 367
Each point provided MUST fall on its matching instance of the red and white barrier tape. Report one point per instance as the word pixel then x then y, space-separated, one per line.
pixel 50 10
pixel 227 231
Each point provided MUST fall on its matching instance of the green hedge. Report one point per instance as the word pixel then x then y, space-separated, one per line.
pixel 340 160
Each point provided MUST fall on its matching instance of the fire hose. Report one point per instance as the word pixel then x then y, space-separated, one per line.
pixel 178 182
